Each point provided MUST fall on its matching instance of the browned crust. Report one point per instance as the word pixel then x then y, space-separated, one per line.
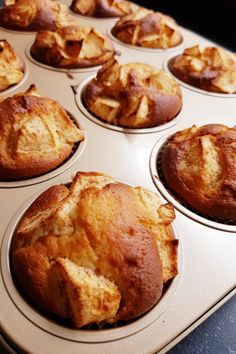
pixel 126 251
pixel 48 199
pixel 102 9
pixel 31 167
pixel 15 166
pixel 10 63
pixel 136 266
pixel 148 25
pixel 222 202
pixel 211 68
pixel 171 246
pixel 52 55
pixel 201 80
pixel 44 19
pixel 163 106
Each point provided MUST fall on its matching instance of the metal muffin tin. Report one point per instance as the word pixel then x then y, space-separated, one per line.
pixel 207 270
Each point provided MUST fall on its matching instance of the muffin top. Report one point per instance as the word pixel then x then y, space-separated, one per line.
pixel 146 28
pixel 96 251
pixel 72 46
pixel 36 135
pixel 199 166
pixel 210 68
pixel 32 15
pixel 11 66
pixel 101 8
pixel 133 95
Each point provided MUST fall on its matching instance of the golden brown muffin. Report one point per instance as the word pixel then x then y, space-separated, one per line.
pixel 146 28
pixel 72 46
pixel 199 166
pixel 11 66
pixel 133 95
pixel 36 135
pixel 101 8
pixel 96 251
pixel 211 68
pixel 32 15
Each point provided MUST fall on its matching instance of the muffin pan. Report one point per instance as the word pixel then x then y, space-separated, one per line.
pixel 207 253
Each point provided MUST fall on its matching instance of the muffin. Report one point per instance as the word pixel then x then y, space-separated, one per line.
pixel 32 15
pixel 36 135
pixel 11 66
pixel 72 46
pixel 146 28
pixel 97 251
pixel 211 68
pixel 101 8
pixel 133 95
pixel 199 167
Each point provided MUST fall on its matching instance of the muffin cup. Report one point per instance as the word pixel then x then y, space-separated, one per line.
pixel 182 206
pixel 58 328
pixel 111 20
pixel 63 70
pixel 17 31
pixel 16 86
pixel 66 164
pixel 166 66
pixel 79 98
pixel 143 49
pixel 92 18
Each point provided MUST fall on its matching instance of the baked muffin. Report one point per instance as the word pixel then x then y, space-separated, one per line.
pixel 72 46
pixel 36 135
pixel 199 166
pixel 32 15
pixel 101 8
pixel 11 66
pixel 96 251
pixel 133 95
pixel 146 28
pixel 211 68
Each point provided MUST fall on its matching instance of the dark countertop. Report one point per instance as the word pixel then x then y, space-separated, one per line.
pixel 217 335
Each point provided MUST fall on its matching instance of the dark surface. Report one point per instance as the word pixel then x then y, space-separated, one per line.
pixel 215 20
pixel 217 335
